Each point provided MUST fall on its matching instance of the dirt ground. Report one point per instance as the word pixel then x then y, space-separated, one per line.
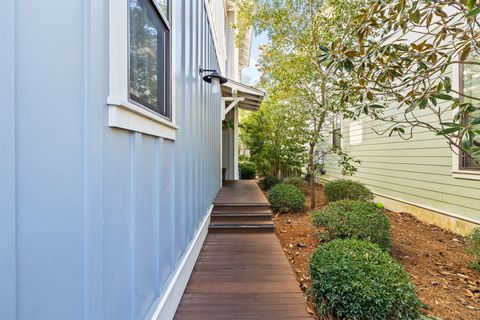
pixel 434 257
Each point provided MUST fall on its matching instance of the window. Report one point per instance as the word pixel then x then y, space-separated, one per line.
pixel 337 130
pixel 149 55
pixel 470 86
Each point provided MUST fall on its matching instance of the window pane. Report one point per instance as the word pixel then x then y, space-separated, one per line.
pixel 471 87
pixel 148 57
pixel 164 5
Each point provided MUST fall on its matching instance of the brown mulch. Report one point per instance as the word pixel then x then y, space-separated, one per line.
pixel 434 257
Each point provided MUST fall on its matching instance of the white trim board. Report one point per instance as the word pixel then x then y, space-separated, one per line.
pixel 166 305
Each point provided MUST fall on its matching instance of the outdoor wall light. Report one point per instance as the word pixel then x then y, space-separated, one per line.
pixel 214 78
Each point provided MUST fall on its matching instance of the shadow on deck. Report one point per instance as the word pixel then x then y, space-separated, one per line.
pixel 242 272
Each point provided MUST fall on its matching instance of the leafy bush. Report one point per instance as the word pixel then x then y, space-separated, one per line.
pixel 355 279
pixel 269 182
pixel 354 219
pixel 286 198
pixel 298 182
pixel 247 170
pixel 472 245
pixel 347 189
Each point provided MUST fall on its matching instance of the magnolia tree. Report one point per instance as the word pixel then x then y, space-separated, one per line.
pixel 407 53
pixel 292 73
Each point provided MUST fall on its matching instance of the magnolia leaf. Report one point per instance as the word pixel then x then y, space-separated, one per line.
pixel 447 83
pixel 447 131
pixel 443 96
pixel 466 51
pixel 473 12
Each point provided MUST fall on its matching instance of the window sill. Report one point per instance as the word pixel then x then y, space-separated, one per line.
pixel 126 115
pixel 466 174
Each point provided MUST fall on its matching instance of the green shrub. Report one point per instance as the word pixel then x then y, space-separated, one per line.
pixel 286 198
pixel 247 170
pixel 472 245
pixel 354 219
pixel 298 182
pixel 268 182
pixel 355 279
pixel 347 189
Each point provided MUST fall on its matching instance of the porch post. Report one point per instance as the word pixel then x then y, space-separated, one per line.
pixel 235 143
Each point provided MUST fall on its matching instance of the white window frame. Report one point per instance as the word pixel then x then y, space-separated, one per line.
pixel 457 171
pixel 122 113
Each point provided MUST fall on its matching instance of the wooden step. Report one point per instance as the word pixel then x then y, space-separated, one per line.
pixel 241 209
pixel 242 206
pixel 246 217
pixel 241 227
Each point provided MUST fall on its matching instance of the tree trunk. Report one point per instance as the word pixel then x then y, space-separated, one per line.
pixel 311 174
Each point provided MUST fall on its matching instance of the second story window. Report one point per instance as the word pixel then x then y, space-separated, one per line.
pixel 470 86
pixel 149 55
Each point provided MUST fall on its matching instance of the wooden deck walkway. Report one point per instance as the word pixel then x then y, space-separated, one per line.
pixel 242 273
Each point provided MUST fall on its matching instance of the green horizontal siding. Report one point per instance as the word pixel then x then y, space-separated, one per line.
pixel 417 170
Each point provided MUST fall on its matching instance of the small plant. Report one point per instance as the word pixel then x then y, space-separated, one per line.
pixel 247 170
pixel 347 189
pixel 472 246
pixel 286 198
pixel 354 219
pixel 355 279
pixel 268 182
pixel 298 182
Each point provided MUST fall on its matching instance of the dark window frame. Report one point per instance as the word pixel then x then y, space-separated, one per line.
pixel 167 68
pixel 337 131
pixel 462 158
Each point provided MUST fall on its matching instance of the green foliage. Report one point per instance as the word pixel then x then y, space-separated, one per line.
pixel 247 170
pixel 472 246
pixel 298 182
pixel 286 198
pixel 296 82
pixel 274 137
pixel 347 189
pixel 268 182
pixel 412 71
pixel 355 279
pixel 354 219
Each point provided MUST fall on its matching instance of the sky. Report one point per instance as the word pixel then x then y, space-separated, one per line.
pixel 251 75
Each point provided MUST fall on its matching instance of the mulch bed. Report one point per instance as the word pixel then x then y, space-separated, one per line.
pixel 434 257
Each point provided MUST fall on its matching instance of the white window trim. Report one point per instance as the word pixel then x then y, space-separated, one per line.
pixel 121 112
pixel 457 172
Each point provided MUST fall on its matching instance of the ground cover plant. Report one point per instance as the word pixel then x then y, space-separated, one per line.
pixel 286 198
pixel 353 219
pixel 355 279
pixel 247 170
pixel 436 259
pixel 347 189
pixel 298 182
pixel 268 182
pixel 473 247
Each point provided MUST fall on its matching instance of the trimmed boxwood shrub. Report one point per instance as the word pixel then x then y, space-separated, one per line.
pixel 286 198
pixel 354 219
pixel 355 279
pixel 298 182
pixel 347 189
pixel 472 245
pixel 247 170
pixel 268 182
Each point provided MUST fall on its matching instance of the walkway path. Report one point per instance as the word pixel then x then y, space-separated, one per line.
pixel 242 272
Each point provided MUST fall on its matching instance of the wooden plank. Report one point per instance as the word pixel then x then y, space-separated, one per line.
pixel 242 276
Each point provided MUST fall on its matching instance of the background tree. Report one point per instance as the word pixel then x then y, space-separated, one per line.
pixel 275 138
pixel 292 72
pixel 407 53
